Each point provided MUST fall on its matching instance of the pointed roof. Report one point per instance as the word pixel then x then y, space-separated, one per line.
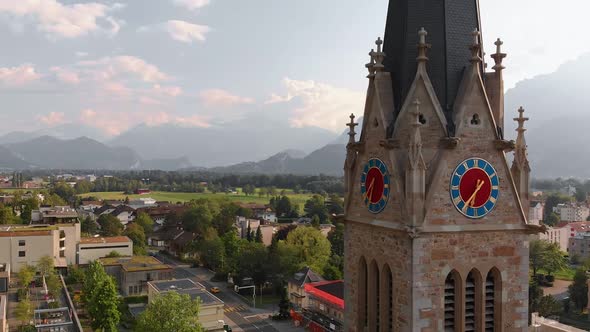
pixel 305 276
pixel 450 24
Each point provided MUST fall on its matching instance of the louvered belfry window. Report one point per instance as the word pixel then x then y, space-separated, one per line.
pixel 450 303
pixel 470 304
pixel 490 309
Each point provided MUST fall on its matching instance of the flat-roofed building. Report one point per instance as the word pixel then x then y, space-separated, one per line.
pixel 26 244
pixel 4 277
pixel 326 305
pixel 133 273
pixel 211 309
pixel 55 215
pixel 93 248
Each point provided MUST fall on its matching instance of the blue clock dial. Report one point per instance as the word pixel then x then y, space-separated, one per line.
pixel 474 188
pixel 375 185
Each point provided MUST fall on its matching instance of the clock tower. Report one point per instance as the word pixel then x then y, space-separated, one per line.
pixel 436 234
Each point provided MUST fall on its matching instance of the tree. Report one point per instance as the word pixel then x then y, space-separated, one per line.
pixel 170 312
pixel 537 249
pixel 28 205
pixel 6 216
pixel 26 275
pixel 249 233
pixel 249 189
pixel 145 221
pixel 336 238
pixel 213 252
pixel 284 303
pixel 258 237
pixel 553 259
pixel 83 187
pixel 113 254
pixel 580 194
pixel 100 297
pixel 336 205
pixel 335 268
pixel 64 191
pixel 45 265
pixel 231 245
pixel 283 232
pixel 24 310
pixel 315 221
pixel 548 306
pixel 110 225
pixel 535 294
pixel 106 315
pixel 552 219
pixel 552 201
pixel 578 290
pixel 54 285
pixel 197 219
pixel 88 226
pixel 311 248
pixel 316 206
pixel 136 234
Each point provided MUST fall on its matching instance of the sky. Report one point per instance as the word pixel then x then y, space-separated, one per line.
pixel 111 65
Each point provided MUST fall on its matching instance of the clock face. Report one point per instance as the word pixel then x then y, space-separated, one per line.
pixel 375 185
pixel 474 188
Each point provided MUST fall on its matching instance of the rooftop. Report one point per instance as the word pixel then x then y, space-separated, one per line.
pixel 135 263
pixel 189 287
pixel 329 291
pixel 180 284
pixel 99 240
pixel 26 230
pixel 306 275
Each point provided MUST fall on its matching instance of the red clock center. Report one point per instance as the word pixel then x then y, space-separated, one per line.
pixel 374 185
pixel 475 187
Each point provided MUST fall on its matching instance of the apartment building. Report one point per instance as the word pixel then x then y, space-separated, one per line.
pixel 26 244
pixel 133 273
pixel 93 248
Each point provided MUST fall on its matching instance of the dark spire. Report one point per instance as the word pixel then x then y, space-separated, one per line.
pixel 450 24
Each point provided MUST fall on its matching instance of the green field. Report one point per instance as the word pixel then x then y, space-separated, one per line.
pixel 296 199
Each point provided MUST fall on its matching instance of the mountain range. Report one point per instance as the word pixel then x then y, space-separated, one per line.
pixel 557 105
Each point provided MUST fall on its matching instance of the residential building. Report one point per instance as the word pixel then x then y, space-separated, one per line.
pixel 3 306
pixel 26 244
pixel 326 229
pixel 162 239
pixel 133 273
pixel 325 309
pixel 557 235
pixel 536 210
pixel 574 212
pixel 579 246
pixel 179 245
pixel 142 202
pixel 211 308
pixel 161 212
pixel 296 287
pixel 90 205
pixel 143 191
pixel 54 215
pixel 267 231
pixel 124 213
pixel 93 248
pixel 4 277
pixel 260 211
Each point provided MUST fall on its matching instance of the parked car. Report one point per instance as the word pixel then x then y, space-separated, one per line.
pixel 215 290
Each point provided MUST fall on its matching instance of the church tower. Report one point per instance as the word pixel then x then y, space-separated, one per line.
pixel 436 235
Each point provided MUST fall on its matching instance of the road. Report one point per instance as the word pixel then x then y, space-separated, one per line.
pixel 236 310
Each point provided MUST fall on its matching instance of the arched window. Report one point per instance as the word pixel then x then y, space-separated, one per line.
pixel 363 294
pixel 472 301
pixel 493 302
pixel 387 299
pixel 374 298
pixel 451 301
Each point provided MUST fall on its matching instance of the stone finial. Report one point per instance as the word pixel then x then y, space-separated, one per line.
pixel 476 47
pixel 521 120
pixel 379 56
pixel 416 113
pixel 422 46
pixel 415 159
pixel 351 132
pixel 371 65
pixel 498 56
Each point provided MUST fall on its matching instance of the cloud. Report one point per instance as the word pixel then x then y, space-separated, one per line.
pixel 181 31
pixel 52 119
pixel 81 54
pixel 321 105
pixel 192 4
pixel 170 91
pixel 18 76
pixel 114 123
pixel 66 21
pixel 109 67
pixel 222 98
pixel 65 75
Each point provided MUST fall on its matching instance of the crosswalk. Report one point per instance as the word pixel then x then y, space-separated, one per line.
pixel 234 308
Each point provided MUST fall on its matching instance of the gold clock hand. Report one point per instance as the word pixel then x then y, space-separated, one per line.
pixel 472 198
pixel 369 192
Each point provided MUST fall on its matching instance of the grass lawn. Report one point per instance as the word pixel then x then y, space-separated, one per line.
pixel 297 199
pixel 565 274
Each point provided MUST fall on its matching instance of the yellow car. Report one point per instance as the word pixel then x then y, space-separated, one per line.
pixel 215 290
